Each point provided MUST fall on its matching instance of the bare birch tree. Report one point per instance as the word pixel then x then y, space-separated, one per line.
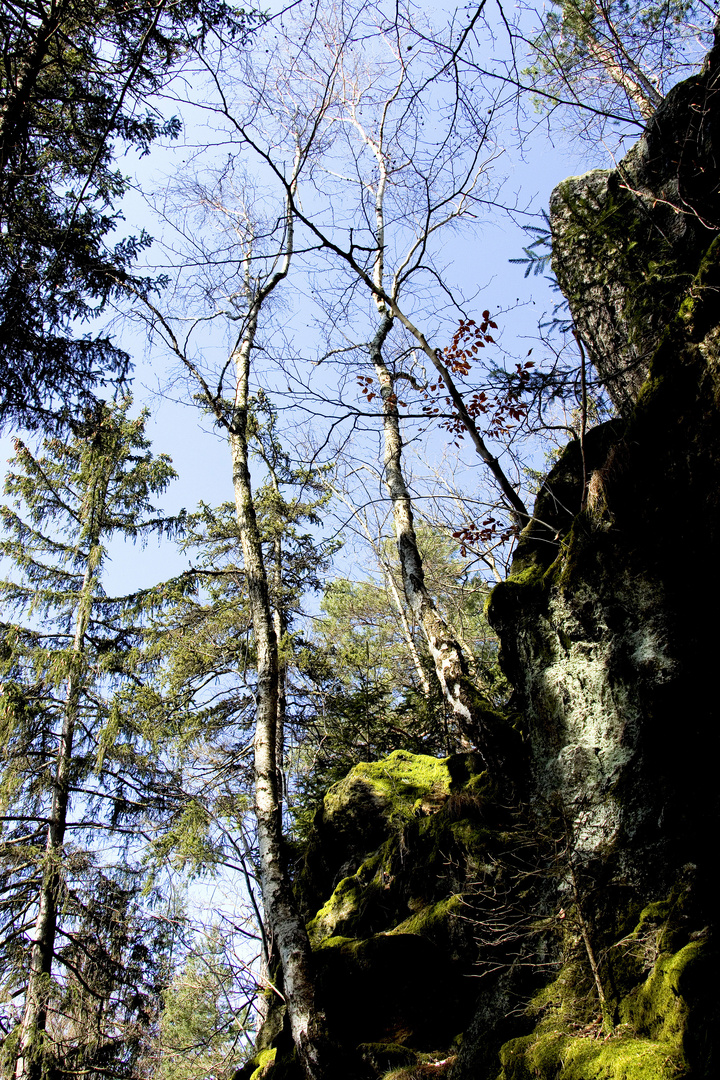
pixel 312 89
pixel 263 253
pixel 374 158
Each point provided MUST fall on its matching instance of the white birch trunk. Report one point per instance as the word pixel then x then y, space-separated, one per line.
pixel 285 926
pixel 450 663
pixel 448 657
pixel 409 641
pixel 635 84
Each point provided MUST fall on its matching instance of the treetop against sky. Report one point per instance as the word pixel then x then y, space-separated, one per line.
pixel 189 193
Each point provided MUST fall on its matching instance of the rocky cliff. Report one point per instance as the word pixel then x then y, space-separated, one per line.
pixel 557 922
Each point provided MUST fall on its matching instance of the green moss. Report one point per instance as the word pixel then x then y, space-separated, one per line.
pixel 340 911
pixel 687 309
pixel 660 919
pixel 472 838
pixel 510 595
pixel 655 912
pixel 573 556
pixel 401 778
pixel 430 921
pixel 650 1041
pixel 384 1056
pixel 556 1055
pixel 335 942
pixel 657 1007
pixel 526 575
pixel 481 786
pixel 699 305
pixel 341 914
pixel 426 808
pixel 262 1063
pixel 427 1065
pixel 378 797
pixel 533 574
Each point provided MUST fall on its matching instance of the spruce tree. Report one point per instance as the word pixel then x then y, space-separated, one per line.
pixel 202 1028
pixel 75 77
pixel 79 775
pixel 209 660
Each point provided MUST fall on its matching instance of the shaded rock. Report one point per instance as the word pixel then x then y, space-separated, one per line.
pixel 392 988
pixel 627 242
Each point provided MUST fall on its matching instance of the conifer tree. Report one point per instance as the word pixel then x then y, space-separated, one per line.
pixel 202 1023
pixel 209 654
pixel 75 76
pixel 607 64
pixel 212 672
pixel 78 774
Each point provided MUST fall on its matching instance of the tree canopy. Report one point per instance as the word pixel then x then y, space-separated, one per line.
pixel 73 79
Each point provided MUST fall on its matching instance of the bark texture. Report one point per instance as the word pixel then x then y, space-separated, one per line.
pixel 448 657
pixel 289 939
pixel 13 122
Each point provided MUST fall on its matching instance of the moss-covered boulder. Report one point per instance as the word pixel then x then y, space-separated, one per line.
pixel 358 814
pixel 394 948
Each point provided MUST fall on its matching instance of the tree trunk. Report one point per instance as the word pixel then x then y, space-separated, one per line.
pixel 635 84
pixel 18 99
pixel 280 625
pixel 447 654
pixel 409 641
pixel 286 927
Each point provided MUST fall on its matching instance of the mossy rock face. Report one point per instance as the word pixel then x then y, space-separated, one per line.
pixel 662 1031
pixel 394 948
pixel 361 812
pixel 345 912
pixel 627 242
pixel 555 1056
pixel 263 1063
pixel 377 793
pixel 605 639
pixel 605 643
pixel 539 553
pixel 259 1066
